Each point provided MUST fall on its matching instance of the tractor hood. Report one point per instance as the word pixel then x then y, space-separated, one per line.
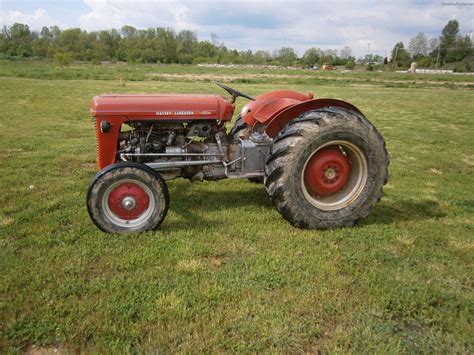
pixel 162 106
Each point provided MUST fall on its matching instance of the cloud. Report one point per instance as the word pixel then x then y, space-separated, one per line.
pixel 36 20
pixel 140 13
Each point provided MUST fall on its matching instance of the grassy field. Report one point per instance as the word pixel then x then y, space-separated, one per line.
pixel 188 73
pixel 225 272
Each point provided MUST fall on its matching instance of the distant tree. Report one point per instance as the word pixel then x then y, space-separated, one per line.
pixel 346 52
pixel 329 56
pixel 396 49
pixel 73 40
pixel 433 46
pixel 145 47
pixel 311 56
pixel 186 44
pixel 372 59
pixel 19 40
pixel 286 56
pixel 55 32
pixel 246 56
pixel 232 56
pixel 42 46
pixel 463 48
pixel 4 39
pixel 418 45
pixel 215 40
pixel 448 38
pixel 167 49
pixel 452 46
pixel 105 45
pixel 205 49
pixel 400 57
pixel 128 47
pixel 261 57
pixel 128 31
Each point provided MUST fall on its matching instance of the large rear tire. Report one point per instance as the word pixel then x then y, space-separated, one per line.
pixel 127 197
pixel 326 169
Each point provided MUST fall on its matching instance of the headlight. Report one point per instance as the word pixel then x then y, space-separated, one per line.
pixel 245 110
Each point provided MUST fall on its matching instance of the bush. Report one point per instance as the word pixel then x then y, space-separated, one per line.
pixel 350 65
pixel 62 58
pixel 460 68
pixel 469 62
pixel 423 62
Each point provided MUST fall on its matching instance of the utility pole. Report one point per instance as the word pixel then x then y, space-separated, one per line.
pixel 437 59
pixel 395 59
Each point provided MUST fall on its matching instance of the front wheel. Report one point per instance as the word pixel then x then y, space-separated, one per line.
pixel 326 169
pixel 127 197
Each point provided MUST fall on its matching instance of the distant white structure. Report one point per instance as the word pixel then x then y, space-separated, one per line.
pixel 434 71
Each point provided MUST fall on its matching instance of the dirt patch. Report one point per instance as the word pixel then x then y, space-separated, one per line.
pixel 215 261
pixel 88 165
pixel 41 350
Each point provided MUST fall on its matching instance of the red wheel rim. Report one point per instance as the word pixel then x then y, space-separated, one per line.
pixel 326 172
pixel 128 201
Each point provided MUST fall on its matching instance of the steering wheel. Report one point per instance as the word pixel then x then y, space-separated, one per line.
pixel 235 93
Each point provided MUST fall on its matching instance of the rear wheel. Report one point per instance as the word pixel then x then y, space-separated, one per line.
pixel 326 169
pixel 127 197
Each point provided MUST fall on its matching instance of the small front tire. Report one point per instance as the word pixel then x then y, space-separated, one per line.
pixel 127 197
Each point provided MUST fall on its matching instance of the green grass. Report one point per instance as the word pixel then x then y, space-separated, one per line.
pixel 190 73
pixel 225 272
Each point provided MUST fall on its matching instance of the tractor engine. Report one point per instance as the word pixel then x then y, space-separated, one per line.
pixel 200 150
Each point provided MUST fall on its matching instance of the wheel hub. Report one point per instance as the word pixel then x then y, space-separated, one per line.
pixel 326 172
pixel 128 201
pixel 330 173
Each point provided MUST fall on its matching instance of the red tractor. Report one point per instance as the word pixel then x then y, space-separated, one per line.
pixel 322 162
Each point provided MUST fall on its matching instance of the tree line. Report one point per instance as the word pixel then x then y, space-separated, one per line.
pixel 449 47
pixel 152 45
pixel 164 45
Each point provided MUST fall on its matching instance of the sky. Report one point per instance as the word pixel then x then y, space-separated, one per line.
pixel 365 26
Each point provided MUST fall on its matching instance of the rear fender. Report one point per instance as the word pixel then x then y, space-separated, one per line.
pixel 290 94
pixel 272 108
pixel 268 104
pixel 279 120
